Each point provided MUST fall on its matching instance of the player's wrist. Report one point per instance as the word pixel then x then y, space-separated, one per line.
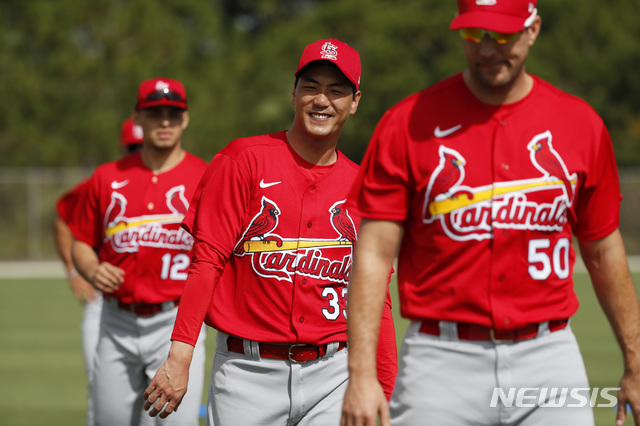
pixel 72 273
pixel 181 352
pixel 363 372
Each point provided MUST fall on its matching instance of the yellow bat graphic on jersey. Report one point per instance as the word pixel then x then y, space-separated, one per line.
pixel 447 206
pixel 256 246
pixel 112 230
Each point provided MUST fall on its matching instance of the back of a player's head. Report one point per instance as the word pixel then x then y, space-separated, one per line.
pixel 130 133
pixel 131 137
pixel 345 57
pixel 504 16
pixel 161 91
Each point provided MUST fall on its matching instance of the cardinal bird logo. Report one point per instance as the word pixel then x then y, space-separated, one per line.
pixel 342 223
pixel 176 201
pixel 448 174
pixel 263 223
pixel 549 162
pixel 115 212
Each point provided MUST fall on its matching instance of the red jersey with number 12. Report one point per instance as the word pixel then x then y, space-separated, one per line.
pixel 132 217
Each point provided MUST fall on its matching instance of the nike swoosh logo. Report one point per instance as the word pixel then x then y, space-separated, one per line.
pixel 266 185
pixel 118 185
pixel 444 133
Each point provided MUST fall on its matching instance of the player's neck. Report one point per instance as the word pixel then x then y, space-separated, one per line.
pixel 321 152
pixel 509 93
pixel 162 160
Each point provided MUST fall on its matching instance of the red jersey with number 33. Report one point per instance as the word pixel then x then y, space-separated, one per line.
pixel 281 223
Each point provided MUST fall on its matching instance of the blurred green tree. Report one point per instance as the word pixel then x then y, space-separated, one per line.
pixel 69 70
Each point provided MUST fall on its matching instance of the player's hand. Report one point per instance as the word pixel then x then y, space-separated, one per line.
pixel 363 402
pixel 629 394
pixel 166 390
pixel 107 277
pixel 82 290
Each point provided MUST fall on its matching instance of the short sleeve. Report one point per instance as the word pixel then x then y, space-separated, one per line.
pixel 381 190
pixel 598 209
pixel 219 204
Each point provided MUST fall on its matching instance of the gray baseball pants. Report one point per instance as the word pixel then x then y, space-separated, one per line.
pixel 249 390
pixel 444 381
pixel 130 351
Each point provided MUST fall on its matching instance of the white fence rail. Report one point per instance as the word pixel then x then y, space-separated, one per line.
pixel 28 196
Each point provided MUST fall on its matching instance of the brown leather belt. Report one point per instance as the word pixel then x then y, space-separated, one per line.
pixel 143 309
pixel 469 331
pixel 296 352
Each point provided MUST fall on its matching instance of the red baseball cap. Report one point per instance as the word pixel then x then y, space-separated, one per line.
pixel 161 91
pixel 131 133
pixel 504 16
pixel 344 56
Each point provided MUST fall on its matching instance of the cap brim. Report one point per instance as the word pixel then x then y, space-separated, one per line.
pixel 162 102
pixel 488 21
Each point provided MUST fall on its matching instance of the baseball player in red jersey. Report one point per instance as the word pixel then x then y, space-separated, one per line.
pixel 272 260
pixel 489 173
pixel 129 245
pixel 85 293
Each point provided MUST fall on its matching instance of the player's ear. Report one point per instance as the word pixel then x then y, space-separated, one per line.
pixel 135 116
pixel 534 29
pixel 293 92
pixel 185 119
pixel 355 102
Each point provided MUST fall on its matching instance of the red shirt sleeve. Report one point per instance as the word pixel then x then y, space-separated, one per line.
pixel 68 202
pixel 387 354
pixel 598 209
pixel 205 270
pixel 381 189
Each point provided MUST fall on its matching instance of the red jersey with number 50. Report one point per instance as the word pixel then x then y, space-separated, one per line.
pixel 490 197
pixel 131 217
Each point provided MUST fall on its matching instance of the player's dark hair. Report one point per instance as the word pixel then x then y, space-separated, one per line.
pixel 135 147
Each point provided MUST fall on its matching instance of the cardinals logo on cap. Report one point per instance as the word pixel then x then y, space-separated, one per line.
pixel 137 132
pixel 329 51
pixel 161 85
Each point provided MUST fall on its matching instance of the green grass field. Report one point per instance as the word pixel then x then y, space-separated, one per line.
pixel 42 377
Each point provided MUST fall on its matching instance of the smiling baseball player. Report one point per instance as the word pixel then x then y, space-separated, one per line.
pixel 129 245
pixel 275 241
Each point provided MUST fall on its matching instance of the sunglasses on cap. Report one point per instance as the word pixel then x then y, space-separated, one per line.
pixel 166 93
pixel 477 34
